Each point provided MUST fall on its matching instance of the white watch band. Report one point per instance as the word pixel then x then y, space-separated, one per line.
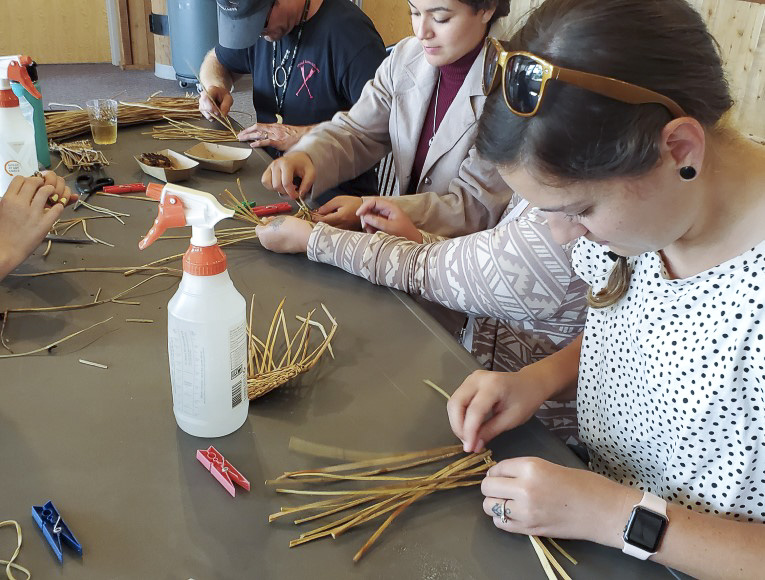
pixel 652 503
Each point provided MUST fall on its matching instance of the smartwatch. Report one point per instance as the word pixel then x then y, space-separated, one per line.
pixel 645 527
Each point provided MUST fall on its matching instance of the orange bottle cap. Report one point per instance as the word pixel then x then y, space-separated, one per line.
pixel 204 260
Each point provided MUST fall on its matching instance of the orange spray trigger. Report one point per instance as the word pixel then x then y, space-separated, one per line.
pixel 170 215
pixel 19 73
pixel 154 190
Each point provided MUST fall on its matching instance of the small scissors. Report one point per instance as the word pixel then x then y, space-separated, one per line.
pixel 87 185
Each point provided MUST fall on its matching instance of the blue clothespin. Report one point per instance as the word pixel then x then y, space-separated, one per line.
pixel 54 529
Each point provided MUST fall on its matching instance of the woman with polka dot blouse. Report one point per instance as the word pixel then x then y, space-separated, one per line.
pixel 668 205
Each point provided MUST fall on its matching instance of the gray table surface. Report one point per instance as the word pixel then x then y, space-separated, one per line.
pixel 104 446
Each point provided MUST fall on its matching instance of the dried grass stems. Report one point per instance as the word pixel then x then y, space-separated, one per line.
pixel 119 298
pixel 267 370
pixel 62 227
pixel 78 155
pixel 185 130
pixel 242 210
pixel 388 495
pixel 218 116
pixel 241 206
pixel 227 236
pixel 304 212
pixel 65 124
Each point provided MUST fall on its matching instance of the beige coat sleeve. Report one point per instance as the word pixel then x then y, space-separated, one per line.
pixel 352 141
pixel 475 201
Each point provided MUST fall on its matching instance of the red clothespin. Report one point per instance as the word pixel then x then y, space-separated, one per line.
pixel 222 470
pixel 272 209
pixel 126 188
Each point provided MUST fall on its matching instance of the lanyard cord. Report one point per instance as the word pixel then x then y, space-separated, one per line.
pixel 288 72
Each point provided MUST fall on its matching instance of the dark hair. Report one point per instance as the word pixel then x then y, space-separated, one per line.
pixel 662 45
pixel 501 7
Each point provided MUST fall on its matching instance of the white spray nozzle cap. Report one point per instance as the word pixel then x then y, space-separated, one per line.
pixel 182 206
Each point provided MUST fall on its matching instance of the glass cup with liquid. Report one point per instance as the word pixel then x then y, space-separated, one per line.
pixel 102 114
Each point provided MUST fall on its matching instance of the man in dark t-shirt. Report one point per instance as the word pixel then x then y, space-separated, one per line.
pixel 308 60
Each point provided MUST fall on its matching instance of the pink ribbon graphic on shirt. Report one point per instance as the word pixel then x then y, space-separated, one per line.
pixel 312 69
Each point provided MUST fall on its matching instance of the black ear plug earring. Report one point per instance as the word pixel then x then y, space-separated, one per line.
pixel 688 172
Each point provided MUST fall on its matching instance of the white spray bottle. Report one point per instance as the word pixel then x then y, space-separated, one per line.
pixel 18 154
pixel 206 332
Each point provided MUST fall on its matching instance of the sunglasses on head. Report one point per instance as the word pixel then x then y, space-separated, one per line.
pixel 524 77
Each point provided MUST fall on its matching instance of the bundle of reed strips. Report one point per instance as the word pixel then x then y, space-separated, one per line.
pixel 184 130
pixel 546 559
pixel 266 370
pixel 79 155
pixel 389 494
pixel 65 124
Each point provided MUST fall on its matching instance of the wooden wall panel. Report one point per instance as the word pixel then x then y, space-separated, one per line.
pixel 739 27
pixel 162 53
pixel 141 40
pixel 391 18
pixel 55 31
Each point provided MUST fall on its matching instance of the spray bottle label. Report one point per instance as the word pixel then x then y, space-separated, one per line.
pixel 20 158
pixel 238 349
pixel 191 366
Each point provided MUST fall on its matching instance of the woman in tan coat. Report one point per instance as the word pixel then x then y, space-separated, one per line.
pixel 423 106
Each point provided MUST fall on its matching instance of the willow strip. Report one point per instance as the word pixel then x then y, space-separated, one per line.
pixel 124 196
pixel 56 343
pixel 299 445
pixel 436 388
pixel 542 558
pixel 321 476
pixel 186 130
pixel 550 558
pixel 93 364
pixel 10 564
pixel 2 332
pixel 386 460
pixel 117 299
pixel 114 269
pixel 562 551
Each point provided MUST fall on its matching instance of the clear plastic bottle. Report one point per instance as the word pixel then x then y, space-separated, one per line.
pixel 206 319
pixel 17 137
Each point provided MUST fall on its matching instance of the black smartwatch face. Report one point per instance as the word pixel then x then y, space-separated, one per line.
pixel 645 529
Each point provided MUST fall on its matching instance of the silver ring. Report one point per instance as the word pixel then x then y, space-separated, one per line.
pixel 505 512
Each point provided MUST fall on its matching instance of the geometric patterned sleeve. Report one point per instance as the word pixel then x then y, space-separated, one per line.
pixel 515 271
pixel 428 238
